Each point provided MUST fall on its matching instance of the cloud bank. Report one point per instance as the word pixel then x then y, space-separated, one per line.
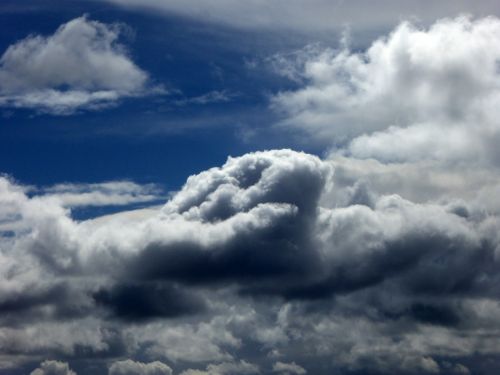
pixel 253 254
pixel 81 66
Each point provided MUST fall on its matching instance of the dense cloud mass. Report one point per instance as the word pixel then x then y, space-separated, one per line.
pixel 280 261
pixel 263 227
pixel 80 66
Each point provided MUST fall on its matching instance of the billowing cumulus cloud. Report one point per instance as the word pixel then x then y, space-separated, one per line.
pixel 53 368
pixel 418 90
pixel 413 114
pixel 81 66
pixel 129 367
pixel 288 368
pixel 253 254
pixel 226 368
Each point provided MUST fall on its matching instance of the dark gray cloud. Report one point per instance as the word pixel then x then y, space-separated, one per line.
pixel 137 302
pixel 251 253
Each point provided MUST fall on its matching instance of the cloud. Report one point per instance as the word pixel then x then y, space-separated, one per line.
pixel 226 368
pixel 146 301
pixel 129 367
pixel 403 96
pixel 103 194
pixel 288 368
pixel 81 66
pixel 401 116
pixel 382 257
pixel 215 96
pixel 255 253
pixel 53 368
pixel 308 16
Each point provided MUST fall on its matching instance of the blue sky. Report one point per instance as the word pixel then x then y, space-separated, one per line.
pixel 263 187
pixel 131 140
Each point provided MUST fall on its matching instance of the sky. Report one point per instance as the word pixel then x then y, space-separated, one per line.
pixel 275 187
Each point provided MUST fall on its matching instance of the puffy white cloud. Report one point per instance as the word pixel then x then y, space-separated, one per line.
pixel 129 367
pixel 289 368
pixel 415 94
pixel 226 368
pixel 80 66
pixel 412 115
pixel 53 368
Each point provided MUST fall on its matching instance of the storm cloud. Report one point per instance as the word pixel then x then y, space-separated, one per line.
pixel 259 228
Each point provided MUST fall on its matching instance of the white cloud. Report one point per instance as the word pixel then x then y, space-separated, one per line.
pixel 226 368
pixel 215 96
pixel 422 87
pixel 80 66
pixel 129 367
pixel 102 194
pixel 199 342
pixel 53 368
pixel 414 114
pixel 289 368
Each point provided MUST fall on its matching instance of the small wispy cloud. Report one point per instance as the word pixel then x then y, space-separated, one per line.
pixel 211 97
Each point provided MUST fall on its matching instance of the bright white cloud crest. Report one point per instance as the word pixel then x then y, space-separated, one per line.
pixel 414 95
pixel 80 66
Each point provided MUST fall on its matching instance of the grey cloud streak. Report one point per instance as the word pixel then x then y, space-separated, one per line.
pixel 310 15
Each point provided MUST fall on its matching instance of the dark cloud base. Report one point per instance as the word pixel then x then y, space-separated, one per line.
pixel 252 261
